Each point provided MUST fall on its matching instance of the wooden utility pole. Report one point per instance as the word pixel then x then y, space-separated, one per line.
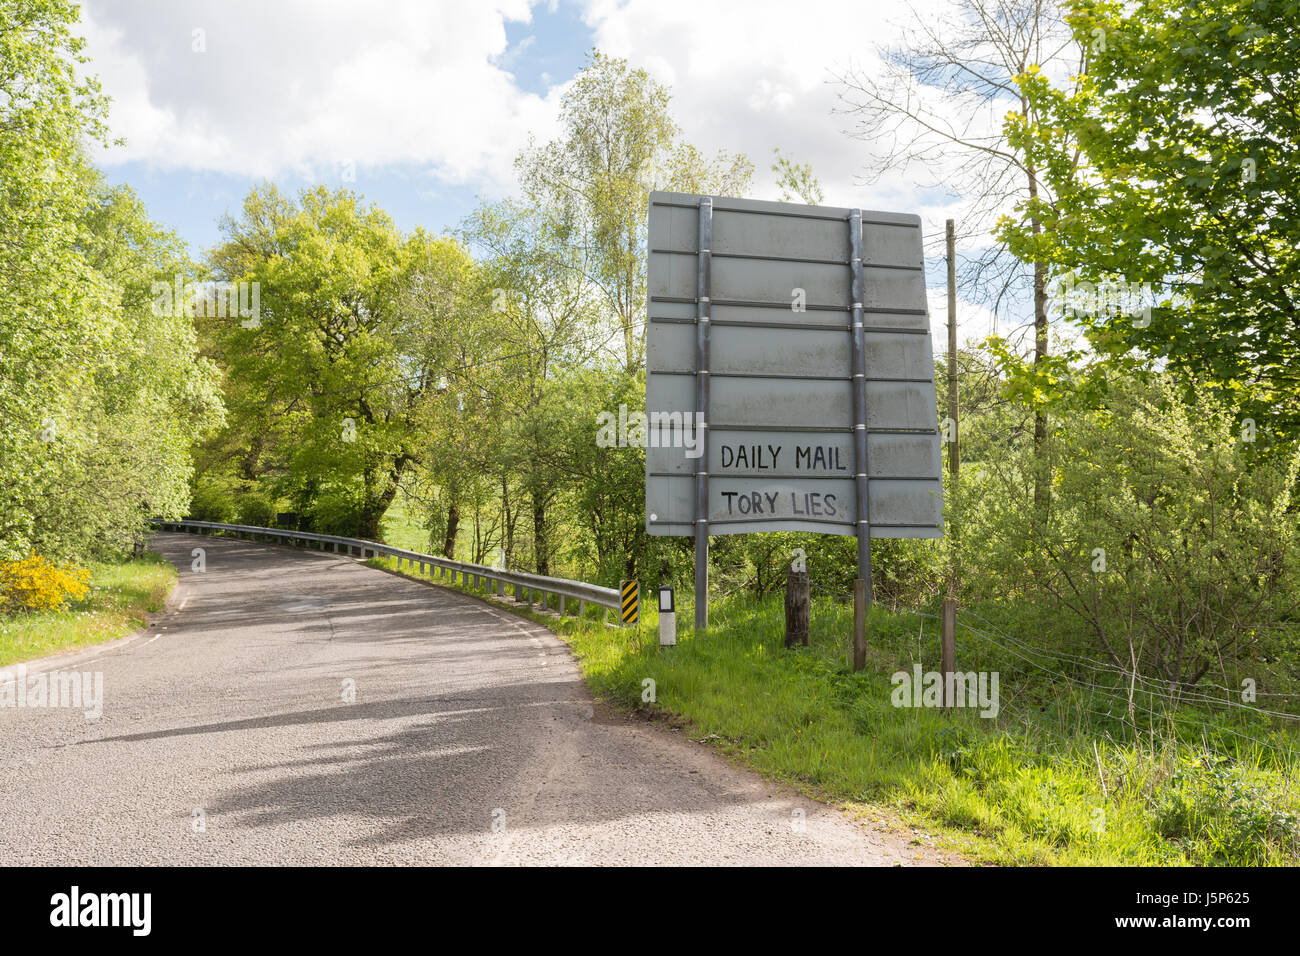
pixel 797 601
pixel 948 653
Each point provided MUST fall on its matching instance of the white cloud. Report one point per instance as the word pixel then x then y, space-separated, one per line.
pixel 975 322
pixel 766 74
pixel 306 86
pixel 763 75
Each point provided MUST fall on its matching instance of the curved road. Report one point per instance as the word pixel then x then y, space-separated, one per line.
pixel 226 737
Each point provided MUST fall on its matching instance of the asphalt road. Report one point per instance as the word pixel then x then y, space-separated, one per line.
pixel 227 737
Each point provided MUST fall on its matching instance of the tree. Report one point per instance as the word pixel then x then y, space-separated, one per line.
pixel 356 329
pixel 940 103
pixel 101 395
pixel 1168 542
pixel 618 143
pixel 1187 123
pixel 544 317
pixel 796 180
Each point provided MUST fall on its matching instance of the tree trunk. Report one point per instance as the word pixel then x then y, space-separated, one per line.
pixel 507 524
pixel 374 509
pixel 1042 476
pixel 797 602
pixel 541 547
pixel 453 523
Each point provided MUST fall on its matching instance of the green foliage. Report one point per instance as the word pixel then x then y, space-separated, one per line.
pixel 1172 163
pixel 905 572
pixel 796 180
pixel 1167 540
pixel 1213 804
pixel 358 326
pixel 121 593
pixel 100 394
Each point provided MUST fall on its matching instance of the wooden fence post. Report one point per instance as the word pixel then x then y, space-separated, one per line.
pixel 797 601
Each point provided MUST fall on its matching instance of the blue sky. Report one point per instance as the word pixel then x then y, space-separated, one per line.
pixel 422 105
pixel 541 55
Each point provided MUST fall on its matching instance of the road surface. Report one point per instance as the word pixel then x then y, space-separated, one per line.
pixel 298 707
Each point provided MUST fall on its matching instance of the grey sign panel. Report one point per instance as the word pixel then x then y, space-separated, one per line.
pixel 738 506
pixel 775 291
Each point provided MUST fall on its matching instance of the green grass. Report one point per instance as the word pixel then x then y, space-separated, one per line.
pixel 402 527
pixel 1058 778
pixel 120 594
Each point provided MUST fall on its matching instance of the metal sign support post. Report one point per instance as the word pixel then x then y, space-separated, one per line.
pixel 702 341
pixel 862 587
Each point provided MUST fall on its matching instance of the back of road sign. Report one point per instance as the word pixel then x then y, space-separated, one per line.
pixel 769 309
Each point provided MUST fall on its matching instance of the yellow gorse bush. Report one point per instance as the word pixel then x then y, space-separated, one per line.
pixel 36 584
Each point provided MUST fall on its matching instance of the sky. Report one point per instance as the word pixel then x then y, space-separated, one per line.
pixel 422 105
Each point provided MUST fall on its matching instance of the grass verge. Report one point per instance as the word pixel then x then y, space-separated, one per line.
pixel 1058 777
pixel 120 595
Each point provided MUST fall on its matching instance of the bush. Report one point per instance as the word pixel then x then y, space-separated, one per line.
pixel 1211 801
pixel 256 509
pixel 35 584
pixel 1166 538
pixel 905 572
pixel 211 500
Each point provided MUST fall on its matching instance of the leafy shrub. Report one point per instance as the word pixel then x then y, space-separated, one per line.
pixel 1166 538
pixel 211 500
pixel 36 584
pixel 1209 801
pixel 256 509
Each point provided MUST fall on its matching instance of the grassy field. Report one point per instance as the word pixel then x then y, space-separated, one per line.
pixel 119 596
pixel 1065 774
pixel 402 529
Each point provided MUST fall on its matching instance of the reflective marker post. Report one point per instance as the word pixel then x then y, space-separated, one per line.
pixel 630 592
pixel 667 618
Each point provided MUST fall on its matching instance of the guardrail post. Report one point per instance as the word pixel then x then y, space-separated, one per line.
pixel 582 607
pixel 561 605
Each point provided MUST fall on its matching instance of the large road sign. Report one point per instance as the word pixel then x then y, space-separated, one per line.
pixel 756 421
